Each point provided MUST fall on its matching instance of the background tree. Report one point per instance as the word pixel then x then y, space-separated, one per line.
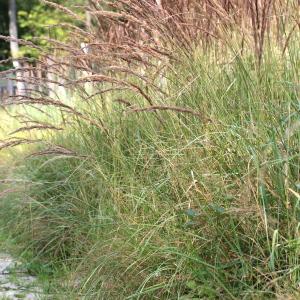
pixel 14 46
pixel 4 24
pixel 34 19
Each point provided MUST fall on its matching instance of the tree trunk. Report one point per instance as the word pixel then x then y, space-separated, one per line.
pixel 158 2
pixel 14 47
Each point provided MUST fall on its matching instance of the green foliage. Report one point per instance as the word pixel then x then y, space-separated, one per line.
pixel 35 20
pixel 41 22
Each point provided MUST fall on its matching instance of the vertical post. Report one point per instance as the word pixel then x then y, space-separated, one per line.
pixel 10 87
pixel 14 46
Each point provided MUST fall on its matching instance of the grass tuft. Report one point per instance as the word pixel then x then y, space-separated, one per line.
pixel 174 184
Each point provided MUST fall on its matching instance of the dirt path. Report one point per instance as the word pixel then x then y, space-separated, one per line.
pixel 15 283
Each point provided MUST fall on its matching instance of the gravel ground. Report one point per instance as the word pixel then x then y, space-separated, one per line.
pixel 15 283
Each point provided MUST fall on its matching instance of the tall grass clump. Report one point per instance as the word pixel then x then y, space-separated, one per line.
pixel 176 174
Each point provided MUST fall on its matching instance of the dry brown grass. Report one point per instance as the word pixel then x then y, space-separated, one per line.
pixel 131 46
